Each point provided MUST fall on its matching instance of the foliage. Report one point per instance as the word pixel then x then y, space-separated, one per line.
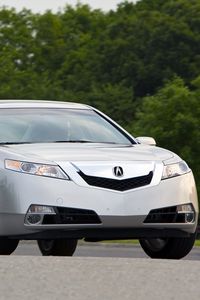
pixel 172 116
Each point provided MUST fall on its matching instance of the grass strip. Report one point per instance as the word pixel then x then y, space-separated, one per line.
pixel 136 242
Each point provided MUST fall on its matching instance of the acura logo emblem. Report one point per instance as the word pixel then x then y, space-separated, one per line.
pixel 118 171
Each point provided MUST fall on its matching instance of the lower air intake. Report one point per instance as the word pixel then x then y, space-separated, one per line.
pixel 171 214
pixel 66 215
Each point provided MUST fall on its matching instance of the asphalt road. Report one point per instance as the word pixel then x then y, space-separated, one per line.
pixel 100 250
pixel 92 278
pixel 113 273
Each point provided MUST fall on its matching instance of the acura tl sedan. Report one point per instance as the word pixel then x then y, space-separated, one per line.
pixel 69 172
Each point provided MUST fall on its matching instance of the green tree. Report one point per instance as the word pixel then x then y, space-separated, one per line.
pixel 172 116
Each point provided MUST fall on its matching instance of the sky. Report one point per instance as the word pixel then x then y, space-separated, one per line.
pixel 55 5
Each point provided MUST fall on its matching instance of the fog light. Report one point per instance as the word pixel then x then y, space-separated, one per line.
pixel 185 208
pixel 34 219
pixel 36 213
pixel 41 209
pixel 189 217
pixel 187 211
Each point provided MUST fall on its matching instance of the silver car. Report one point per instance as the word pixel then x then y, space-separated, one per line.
pixel 69 172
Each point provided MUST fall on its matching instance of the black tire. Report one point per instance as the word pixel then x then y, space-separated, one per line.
pixel 58 247
pixel 7 246
pixel 171 248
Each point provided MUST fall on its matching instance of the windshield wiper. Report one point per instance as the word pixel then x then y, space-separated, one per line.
pixel 14 143
pixel 74 141
pixel 69 141
pixel 84 141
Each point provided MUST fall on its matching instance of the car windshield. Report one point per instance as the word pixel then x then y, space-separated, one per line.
pixel 40 125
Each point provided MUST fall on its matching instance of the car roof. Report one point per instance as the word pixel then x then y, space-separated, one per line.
pixel 41 104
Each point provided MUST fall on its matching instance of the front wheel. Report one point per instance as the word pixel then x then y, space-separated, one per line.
pixel 58 247
pixel 7 246
pixel 169 248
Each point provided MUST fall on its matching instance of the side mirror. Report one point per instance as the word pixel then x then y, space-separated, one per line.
pixel 146 140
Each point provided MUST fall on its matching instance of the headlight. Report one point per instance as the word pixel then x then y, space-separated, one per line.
pixel 173 170
pixel 35 169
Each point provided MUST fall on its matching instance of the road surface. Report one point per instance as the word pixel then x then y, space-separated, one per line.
pixel 97 278
pixel 113 273
pixel 100 250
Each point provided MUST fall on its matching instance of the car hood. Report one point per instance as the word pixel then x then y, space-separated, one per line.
pixel 60 152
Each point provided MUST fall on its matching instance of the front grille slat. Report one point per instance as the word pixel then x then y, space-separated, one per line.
pixel 118 185
pixel 65 215
pixel 165 215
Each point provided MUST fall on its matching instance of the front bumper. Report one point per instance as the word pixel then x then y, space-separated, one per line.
pixel 122 214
